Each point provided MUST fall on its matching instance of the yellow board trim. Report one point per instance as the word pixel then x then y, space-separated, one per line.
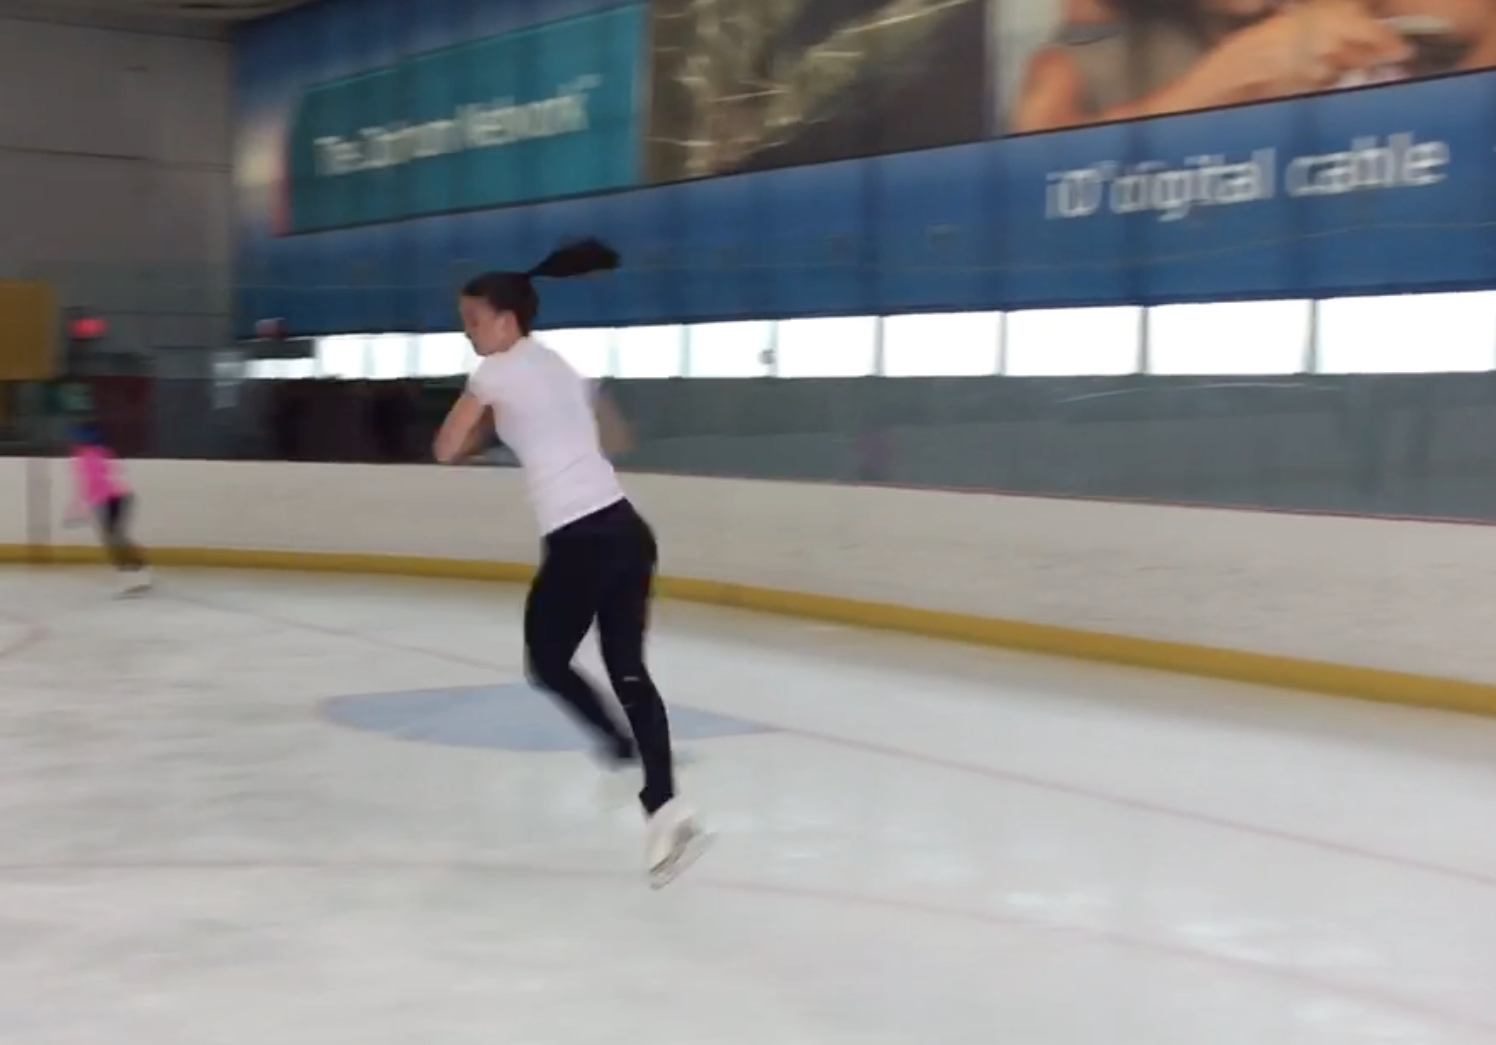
pixel 1391 687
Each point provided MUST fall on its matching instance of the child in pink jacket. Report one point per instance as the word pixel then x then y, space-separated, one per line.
pixel 100 490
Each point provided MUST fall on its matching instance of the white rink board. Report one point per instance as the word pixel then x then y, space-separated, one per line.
pixel 12 500
pixel 1386 594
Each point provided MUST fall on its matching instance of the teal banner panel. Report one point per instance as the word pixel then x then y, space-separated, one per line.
pixel 546 112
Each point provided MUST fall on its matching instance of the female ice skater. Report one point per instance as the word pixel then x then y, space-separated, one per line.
pixel 599 555
pixel 100 490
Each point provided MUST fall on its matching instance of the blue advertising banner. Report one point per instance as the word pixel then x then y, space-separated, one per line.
pixel 547 111
pixel 387 150
pixel 1363 190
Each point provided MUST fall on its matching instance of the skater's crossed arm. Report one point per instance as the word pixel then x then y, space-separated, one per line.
pixel 461 434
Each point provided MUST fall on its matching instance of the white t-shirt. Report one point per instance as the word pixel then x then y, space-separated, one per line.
pixel 544 412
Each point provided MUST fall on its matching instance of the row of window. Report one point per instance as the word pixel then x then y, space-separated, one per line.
pixel 1394 334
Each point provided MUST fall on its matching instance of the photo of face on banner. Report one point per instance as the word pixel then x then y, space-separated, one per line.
pixel 1069 63
pixel 740 85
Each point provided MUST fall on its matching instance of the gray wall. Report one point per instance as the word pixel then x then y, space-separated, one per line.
pixel 1406 445
pixel 1419 445
pixel 115 167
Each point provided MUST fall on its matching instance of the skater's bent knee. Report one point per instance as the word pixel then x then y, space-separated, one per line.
pixel 547 672
pixel 624 664
pixel 536 670
pixel 630 681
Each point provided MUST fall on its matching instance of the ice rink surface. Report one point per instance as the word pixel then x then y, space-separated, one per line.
pixel 259 809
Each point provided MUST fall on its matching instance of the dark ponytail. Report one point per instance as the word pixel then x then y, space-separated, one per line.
pixel 513 291
pixel 581 258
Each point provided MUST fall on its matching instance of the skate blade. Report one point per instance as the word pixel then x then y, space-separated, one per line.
pixel 681 859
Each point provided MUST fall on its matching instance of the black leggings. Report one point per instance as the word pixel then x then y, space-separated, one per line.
pixel 114 526
pixel 601 568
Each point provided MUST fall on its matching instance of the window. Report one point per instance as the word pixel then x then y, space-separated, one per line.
pixel 845 346
pixel 590 351
pixel 281 369
pixel 344 356
pixel 1229 337
pixel 393 356
pixel 729 349
pixel 1073 342
pixel 1408 333
pixel 951 344
pixel 443 355
pixel 651 351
